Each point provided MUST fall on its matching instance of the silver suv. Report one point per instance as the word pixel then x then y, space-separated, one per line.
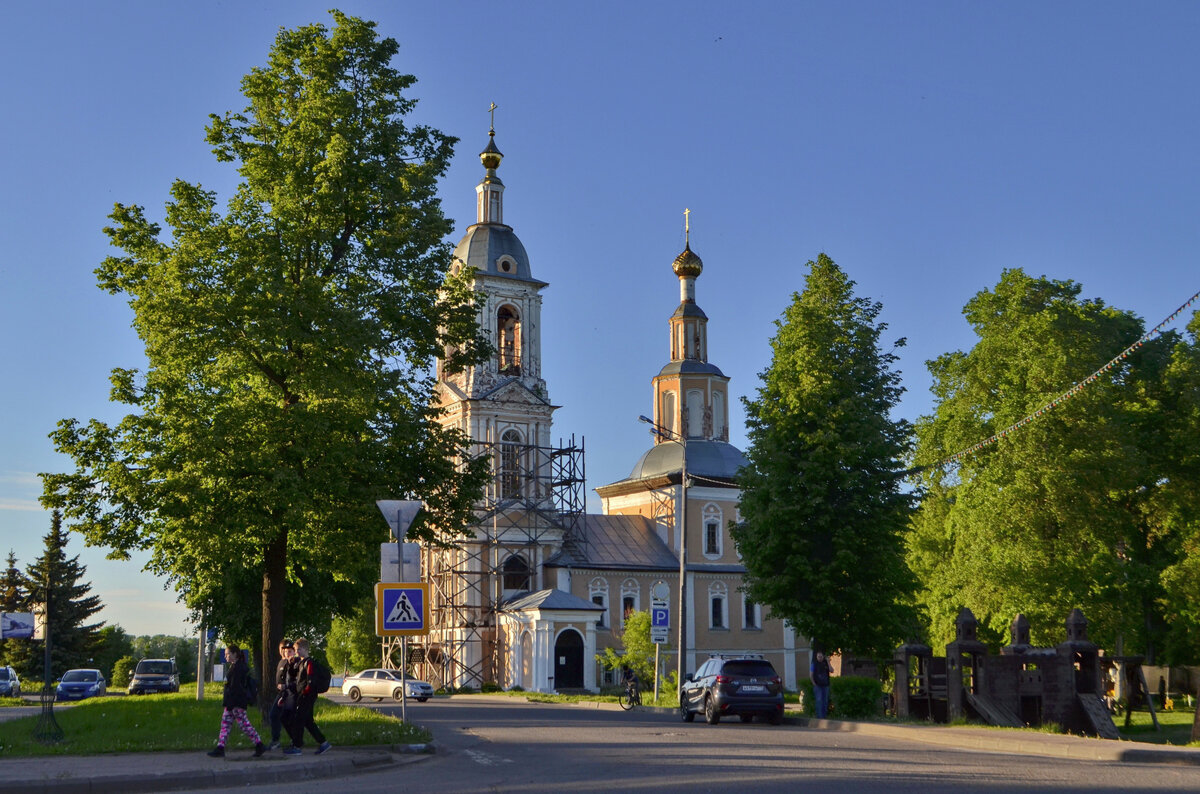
pixel 744 685
pixel 154 675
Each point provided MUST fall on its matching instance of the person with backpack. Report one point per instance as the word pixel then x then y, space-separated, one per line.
pixel 284 699
pixel 307 679
pixel 235 700
pixel 820 670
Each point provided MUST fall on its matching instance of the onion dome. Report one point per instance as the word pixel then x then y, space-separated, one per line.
pixel 491 156
pixel 687 264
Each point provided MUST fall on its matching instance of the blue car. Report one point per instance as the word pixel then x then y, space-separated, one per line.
pixel 80 684
pixel 10 684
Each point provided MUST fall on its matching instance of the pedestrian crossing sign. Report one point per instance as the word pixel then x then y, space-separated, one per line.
pixel 401 609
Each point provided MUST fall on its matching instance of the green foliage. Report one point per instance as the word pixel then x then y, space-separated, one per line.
pixel 55 579
pixel 637 650
pixel 111 644
pixel 822 511
pixel 352 643
pixel 1083 507
pixel 290 340
pixel 179 722
pixel 850 697
pixel 13 598
pixel 122 672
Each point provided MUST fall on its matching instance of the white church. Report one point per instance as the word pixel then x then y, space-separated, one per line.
pixel 544 587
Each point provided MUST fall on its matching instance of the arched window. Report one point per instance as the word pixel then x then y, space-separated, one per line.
pixel 517 574
pixel 718 612
pixel 695 410
pixel 631 597
pixel 598 591
pixel 718 414
pixel 668 418
pixel 510 465
pixel 714 542
pixel 508 340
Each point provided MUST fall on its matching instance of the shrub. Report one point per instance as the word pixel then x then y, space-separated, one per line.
pixel 850 697
pixel 122 672
pixel 490 686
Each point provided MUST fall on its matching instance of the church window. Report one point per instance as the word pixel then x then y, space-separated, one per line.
pixel 510 474
pixel 508 340
pixel 751 614
pixel 713 545
pixel 517 574
pixel 630 597
pixel 598 589
pixel 695 410
pixel 667 419
pixel 494 207
pixel 718 595
pixel 718 413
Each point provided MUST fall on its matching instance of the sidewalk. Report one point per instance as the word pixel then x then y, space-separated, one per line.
pixel 145 772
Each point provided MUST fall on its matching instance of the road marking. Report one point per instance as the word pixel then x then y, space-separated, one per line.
pixel 486 759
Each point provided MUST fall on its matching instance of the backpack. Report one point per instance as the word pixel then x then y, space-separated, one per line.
pixel 321 677
pixel 251 688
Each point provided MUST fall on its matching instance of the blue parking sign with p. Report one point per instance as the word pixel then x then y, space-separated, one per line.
pixel 401 609
pixel 660 617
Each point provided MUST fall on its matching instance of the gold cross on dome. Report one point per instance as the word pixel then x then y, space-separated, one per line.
pixel 492 110
pixel 687 229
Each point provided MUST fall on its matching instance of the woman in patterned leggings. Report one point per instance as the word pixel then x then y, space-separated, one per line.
pixel 235 700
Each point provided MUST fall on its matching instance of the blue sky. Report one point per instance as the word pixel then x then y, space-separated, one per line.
pixel 925 146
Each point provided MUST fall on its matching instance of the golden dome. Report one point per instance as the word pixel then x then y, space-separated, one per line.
pixel 491 156
pixel 687 263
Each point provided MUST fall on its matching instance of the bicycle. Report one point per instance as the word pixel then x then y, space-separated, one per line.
pixel 632 696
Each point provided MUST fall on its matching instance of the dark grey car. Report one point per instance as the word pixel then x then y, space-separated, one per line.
pixel 154 675
pixel 726 685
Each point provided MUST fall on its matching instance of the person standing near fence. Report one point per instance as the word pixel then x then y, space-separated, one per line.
pixel 820 670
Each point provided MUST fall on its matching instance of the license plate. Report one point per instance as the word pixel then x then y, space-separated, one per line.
pixel 753 688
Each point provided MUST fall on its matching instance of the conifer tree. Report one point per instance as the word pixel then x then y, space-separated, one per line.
pixel 13 598
pixel 823 513
pixel 57 580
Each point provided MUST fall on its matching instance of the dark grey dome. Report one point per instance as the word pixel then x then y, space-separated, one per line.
pixel 690 366
pixel 486 246
pixel 704 458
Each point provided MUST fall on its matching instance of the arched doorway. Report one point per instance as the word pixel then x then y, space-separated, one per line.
pixel 568 660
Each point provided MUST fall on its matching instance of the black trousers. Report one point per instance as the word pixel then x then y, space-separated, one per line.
pixel 300 719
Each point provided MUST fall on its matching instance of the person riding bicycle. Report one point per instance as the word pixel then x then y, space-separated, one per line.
pixel 630 679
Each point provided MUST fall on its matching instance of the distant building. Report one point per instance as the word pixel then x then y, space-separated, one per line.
pixel 543 587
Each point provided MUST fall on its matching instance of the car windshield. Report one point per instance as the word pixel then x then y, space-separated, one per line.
pixel 154 668
pixel 80 675
pixel 758 669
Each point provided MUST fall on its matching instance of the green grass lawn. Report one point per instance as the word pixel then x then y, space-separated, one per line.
pixel 151 723
pixel 1176 727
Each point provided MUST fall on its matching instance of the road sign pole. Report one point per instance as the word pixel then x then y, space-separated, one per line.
pixel 404 679
pixel 656 647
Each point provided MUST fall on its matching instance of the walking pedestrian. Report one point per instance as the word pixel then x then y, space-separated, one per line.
pixel 284 699
pixel 301 680
pixel 820 671
pixel 234 701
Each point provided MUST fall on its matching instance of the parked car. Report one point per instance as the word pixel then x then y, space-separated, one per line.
pixel 80 684
pixel 10 684
pixel 154 675
pixel 379 684
pixel 745 685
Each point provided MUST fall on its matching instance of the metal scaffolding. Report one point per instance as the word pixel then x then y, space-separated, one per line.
pixel 534 508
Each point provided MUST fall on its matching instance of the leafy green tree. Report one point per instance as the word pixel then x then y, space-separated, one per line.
pixel 1066 511
pixel 352 643
pixel 823 512
pixel 637 650
pixel 822 507
pixel 13 598
pixel 122 672
pixel 56 580
pixel 111 644
pixel 290 342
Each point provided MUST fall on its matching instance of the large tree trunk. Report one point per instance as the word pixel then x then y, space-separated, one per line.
pixel 1196 725
pixel 274 593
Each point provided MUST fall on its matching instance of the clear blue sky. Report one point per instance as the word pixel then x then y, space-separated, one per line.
pixel 925 146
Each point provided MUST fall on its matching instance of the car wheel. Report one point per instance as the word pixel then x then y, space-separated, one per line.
pixel 422 700
pixel 746 717
pixel 355 695
pixel 398 694
pixel 711 715
pixel 686 714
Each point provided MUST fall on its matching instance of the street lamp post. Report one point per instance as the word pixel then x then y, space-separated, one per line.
pixel 681 529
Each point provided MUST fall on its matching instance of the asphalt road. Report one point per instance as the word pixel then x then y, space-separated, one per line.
pixel 515 746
